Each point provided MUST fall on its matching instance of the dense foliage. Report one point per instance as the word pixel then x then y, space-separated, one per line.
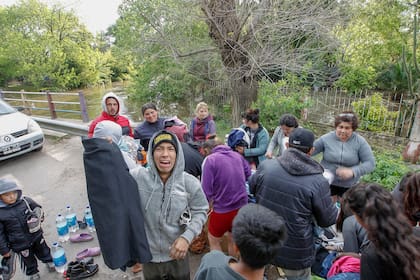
pixel 48 48
pixel 274 100
pixel 374 114
pixel 389 169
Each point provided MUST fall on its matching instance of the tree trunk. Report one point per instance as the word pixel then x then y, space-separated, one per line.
pixel 244 92
pixel 412 150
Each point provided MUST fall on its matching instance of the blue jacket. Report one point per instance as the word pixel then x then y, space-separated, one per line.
pixel 145 130
pixel 258 146
pixel 14 232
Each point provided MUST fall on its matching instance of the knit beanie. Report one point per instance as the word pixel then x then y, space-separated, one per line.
pixel 8 185
pixel 164 136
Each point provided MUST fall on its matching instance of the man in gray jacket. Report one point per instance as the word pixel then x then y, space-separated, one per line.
pixel 293 186
pixel 174 206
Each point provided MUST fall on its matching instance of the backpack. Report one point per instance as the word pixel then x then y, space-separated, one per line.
pixel 177 127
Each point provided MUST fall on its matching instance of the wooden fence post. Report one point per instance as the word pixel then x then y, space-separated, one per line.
pixel 83 107
pixel 51 106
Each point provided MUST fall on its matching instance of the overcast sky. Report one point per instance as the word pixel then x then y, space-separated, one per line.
pixel 98 15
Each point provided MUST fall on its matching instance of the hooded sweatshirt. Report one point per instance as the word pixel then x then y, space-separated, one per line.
pixel 293 186
pixel 14 232
pixel 163 204
pixel 223 177
pixel 121 120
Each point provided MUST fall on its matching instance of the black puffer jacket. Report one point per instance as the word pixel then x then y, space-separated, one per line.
pixel 14 232
pixel 293 186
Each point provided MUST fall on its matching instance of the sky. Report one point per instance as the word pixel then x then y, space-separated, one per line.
pixel 98 15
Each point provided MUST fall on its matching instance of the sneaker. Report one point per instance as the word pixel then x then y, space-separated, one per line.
pixel 8 267
pixel 34 277
pixel 77 270
pixel 50 266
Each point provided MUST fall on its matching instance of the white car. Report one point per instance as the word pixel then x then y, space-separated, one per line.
pixel 19 133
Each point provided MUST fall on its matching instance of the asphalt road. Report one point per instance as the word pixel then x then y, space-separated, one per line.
pixel 55 178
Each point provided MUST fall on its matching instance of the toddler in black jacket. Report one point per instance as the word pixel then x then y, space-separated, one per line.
pixel 20 229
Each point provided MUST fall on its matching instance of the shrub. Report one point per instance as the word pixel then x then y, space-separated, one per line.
pixel 274 101
pixel 355 78
pixel 374 114
pixel 389 170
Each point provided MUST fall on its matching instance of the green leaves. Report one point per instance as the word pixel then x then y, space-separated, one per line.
pixel 389 170
pixel 375 115
pixel 48 48
pixel 276 99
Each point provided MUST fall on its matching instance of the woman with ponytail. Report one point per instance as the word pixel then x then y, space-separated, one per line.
pixel 393 252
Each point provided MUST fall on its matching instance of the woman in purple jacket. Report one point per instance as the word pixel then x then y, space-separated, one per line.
pixel 223 179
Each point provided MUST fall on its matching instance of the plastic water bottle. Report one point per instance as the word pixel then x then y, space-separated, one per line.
pixel 71 220
pixel 59 257
pixel 89 219
pixel 62 228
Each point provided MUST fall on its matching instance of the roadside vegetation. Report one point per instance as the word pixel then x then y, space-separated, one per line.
pixel 267 54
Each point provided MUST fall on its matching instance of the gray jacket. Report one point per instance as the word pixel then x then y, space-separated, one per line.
pixel 355 153
pixel 163 204
pixel 277 141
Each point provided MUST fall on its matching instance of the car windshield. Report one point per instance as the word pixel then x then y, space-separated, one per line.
pixel 6 108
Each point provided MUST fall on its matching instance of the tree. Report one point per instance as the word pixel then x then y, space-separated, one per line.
pixel 411 67
pixel 47 47
pixel 371 42
pixel 248 40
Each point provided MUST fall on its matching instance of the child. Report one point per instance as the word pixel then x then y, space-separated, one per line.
pixel 18 233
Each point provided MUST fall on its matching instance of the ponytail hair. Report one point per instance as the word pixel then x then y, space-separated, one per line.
pixel 387 227
pixel 252 115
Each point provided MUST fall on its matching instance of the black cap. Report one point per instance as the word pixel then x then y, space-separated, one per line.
pixel 302 137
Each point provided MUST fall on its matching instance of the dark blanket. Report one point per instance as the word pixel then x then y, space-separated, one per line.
pixel 116 208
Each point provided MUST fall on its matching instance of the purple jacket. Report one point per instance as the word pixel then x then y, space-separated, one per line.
pixel 223 179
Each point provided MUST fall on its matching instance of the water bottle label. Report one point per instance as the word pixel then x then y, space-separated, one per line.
pixel 71 220
pixel 62 230
pixel 59 260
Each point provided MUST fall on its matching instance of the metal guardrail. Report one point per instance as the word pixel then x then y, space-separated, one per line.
pixel 63 126
pixel 54 102
pixel 66 126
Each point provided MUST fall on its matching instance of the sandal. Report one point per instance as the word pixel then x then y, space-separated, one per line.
pixel 81 237
pixel 89 252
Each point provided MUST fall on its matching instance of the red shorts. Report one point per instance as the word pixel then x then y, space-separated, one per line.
pixel 219 223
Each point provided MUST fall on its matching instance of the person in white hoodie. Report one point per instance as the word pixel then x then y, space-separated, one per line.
pixel 174 206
